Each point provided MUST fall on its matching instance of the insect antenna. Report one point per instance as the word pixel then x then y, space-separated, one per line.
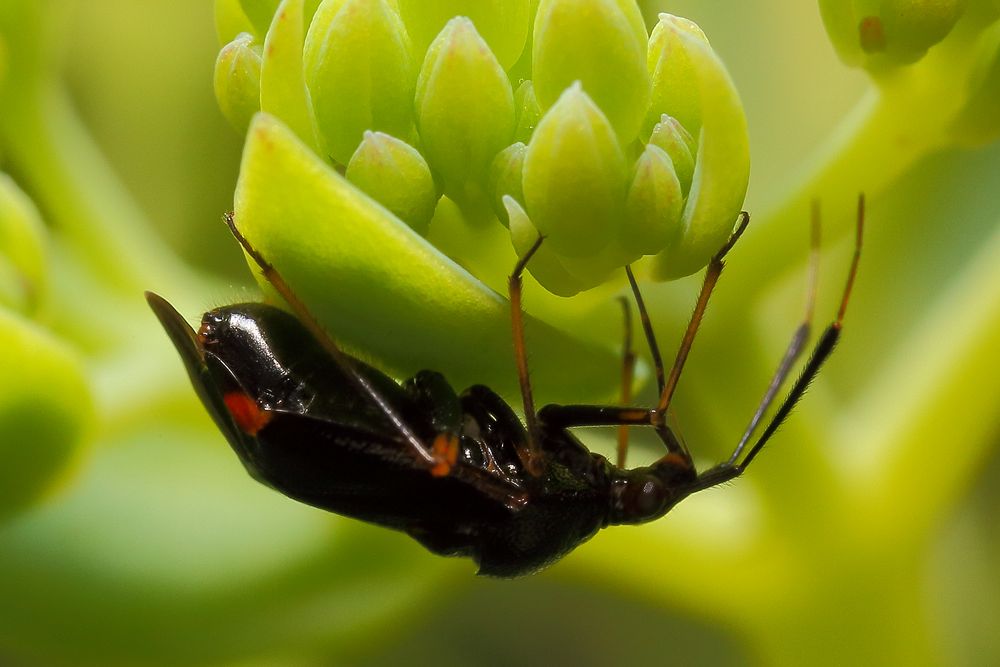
pixel 799 339
pixel 821 352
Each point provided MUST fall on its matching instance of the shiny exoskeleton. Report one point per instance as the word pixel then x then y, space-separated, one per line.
pixel 299 426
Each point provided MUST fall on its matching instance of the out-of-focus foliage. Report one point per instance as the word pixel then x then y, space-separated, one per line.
pixel 864 534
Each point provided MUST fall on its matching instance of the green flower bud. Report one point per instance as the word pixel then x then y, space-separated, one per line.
pixel 575 176
pixel 359 71
pixel 722 166
pixel 394 174
pixel 237 81
pixel 601 43
pixel 503 24
pixel 283 90
pixel 44 414
pixel 528 111
pixel 465 108
pixel 671 136
pixel 23 274
pixel 545 265
pixel 653 205
pixel 674 85
pixel 876 34
pixel 505 178
pixel 913 26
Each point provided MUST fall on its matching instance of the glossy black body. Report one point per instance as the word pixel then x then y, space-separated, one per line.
pixel 325 444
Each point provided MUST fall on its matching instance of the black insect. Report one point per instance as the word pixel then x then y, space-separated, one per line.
pixel 459 473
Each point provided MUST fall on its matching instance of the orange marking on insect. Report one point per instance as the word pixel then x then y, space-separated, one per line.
pixel 246 413
pixel 445 451
pixel 677 460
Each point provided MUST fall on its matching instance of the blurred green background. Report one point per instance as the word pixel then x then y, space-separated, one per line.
pixel 875 544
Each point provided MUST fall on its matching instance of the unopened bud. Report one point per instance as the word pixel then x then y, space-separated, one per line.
pixel 465 108
pixel 506 177
pixel 601 43
pixel 394 174
pixel 674 82
pixel 237 81
pixel 879 34
pixel 360 73
pixel 575 176
pixel 654 204
pixel 671 136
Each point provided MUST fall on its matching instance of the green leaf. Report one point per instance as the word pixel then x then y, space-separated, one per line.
pixel 381 288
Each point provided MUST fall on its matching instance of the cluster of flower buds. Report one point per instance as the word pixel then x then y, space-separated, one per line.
pixel 561 118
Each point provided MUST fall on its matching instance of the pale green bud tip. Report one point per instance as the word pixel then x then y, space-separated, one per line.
pixel 394 174
pixel 654 204
pixel 678 143
pixel 465 108
pixel 505 178
pixel 672 75
pixel 237 81
pixel 503 24
pixel 601 43
pixel 359 72
pixel 44 415
pixel 575 176
pixel 23 265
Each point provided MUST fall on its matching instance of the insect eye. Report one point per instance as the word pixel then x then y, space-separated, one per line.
pixel 650 496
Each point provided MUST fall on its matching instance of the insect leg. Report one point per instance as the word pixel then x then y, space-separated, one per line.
pixel 821 352
pixel 712 274
pixel 433 460
pixel 628 374
pixel 647 328
pixel 532 457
